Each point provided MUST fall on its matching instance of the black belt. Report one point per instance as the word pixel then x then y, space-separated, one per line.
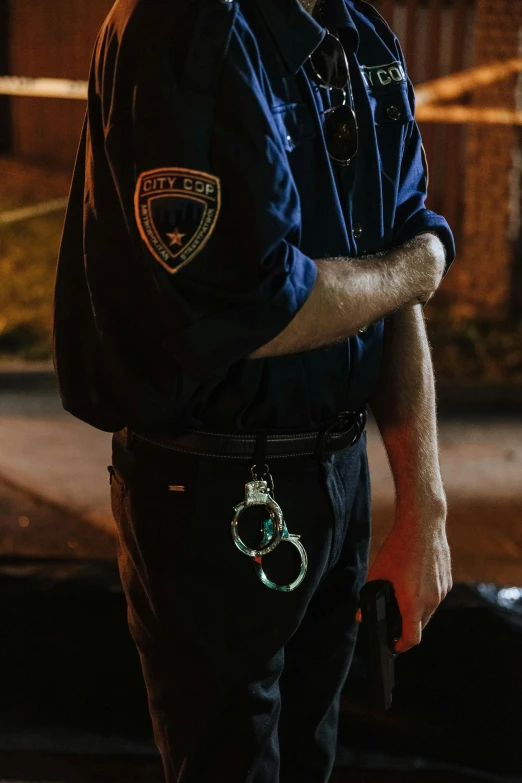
pixel 343 431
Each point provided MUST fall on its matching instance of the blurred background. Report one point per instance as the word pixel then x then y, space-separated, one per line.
pixel 58 580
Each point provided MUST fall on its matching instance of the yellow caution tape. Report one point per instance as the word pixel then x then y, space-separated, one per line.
pixel 456 84
pixel 43 88
pixel 468 115
pixel 25 213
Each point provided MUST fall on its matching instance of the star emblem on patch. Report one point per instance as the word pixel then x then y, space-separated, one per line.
pixel 176 238
pixel 176 210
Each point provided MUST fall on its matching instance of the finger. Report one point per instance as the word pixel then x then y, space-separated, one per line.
pixel 431 607
pixel 425 620
pixel 358 616
pixel 411 636
pixel 427 617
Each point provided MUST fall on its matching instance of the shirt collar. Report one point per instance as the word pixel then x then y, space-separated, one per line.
pixel 297 33
pixel 335 15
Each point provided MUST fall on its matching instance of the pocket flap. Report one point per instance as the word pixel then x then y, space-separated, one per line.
pixel 295 123
pixel 392 107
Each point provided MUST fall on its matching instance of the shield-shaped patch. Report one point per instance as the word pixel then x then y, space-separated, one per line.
pixel 176 211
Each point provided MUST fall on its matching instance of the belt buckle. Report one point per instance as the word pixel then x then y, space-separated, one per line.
pixel 360 424
pixel 336 427
pixel 354 419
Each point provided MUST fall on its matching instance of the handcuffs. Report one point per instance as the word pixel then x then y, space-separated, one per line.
pixel 273 529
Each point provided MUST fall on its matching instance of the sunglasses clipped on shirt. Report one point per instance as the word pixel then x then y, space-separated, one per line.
pixel 329 65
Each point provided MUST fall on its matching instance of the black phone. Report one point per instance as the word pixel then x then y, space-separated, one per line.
pixel 381 626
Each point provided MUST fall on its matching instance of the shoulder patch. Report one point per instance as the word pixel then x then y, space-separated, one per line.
pixel 176 211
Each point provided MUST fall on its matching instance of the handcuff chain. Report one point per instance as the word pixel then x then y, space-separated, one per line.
pixel 261 477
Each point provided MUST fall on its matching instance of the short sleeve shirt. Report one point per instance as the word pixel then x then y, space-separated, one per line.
pixel 203 212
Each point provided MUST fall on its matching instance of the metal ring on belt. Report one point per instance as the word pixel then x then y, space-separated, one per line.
pixel 343 431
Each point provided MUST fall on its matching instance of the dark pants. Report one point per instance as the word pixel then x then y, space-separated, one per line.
pixel 243 681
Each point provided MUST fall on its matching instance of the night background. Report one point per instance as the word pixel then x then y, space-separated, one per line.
pixel 72 705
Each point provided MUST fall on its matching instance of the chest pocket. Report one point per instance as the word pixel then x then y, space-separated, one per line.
pixel 391 106
pixel 294 122
pixel 391 115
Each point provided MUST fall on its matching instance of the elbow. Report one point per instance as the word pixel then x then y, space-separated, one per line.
pixel 260 353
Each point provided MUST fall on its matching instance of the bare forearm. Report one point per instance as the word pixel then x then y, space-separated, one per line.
pixel 350 294
pixel 405 411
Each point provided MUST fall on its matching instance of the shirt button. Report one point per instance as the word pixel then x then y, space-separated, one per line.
pixel 357 230
pixel 393 112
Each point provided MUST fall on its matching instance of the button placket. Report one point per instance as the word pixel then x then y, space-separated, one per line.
pixel 357 233
pixel 394 113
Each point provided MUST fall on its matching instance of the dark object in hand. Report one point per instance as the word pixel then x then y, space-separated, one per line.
pixel 381 626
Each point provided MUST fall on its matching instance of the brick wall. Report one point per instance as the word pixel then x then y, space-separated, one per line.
pixel 51 38
pixel 480 283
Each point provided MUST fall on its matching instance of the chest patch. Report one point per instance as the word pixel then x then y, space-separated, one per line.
pixel 176 211
pixel 382 76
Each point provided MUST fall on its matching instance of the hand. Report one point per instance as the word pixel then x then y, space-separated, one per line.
pixel 416 559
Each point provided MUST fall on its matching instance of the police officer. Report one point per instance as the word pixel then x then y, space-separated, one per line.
pixel 244 260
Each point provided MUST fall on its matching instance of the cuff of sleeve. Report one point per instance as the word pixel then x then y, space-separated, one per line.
pixel 212 344
pixel 424 221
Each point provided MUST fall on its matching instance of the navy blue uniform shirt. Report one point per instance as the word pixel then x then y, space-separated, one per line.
pixel 203 192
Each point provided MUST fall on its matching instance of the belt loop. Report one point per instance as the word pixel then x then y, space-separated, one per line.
pixel 321 437
pixel 321 442
pixel 260 451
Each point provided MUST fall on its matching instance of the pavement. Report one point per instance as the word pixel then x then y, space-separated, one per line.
pixel 58 459
pixel 54 502
pixel 47 452
pixel 137 769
